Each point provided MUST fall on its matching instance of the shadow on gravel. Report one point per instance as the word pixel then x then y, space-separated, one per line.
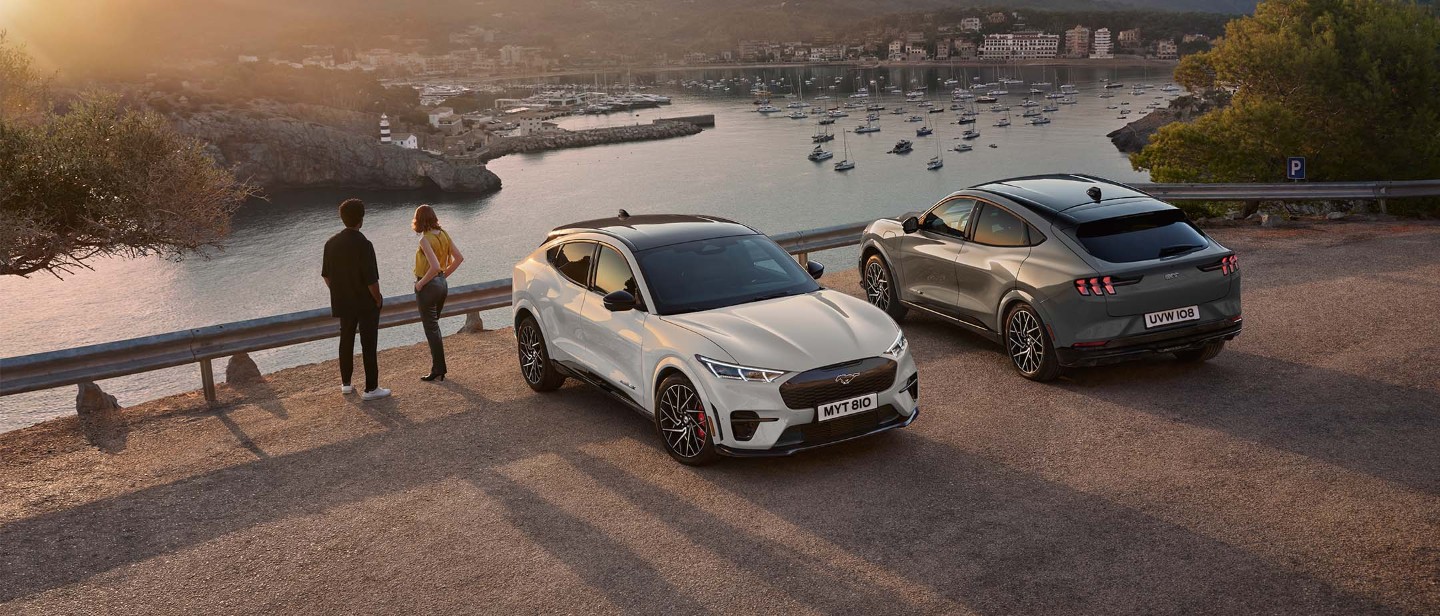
pixel 988 537
pixel 1382 430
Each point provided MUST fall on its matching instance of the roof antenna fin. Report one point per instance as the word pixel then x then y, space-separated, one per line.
pixel 1094 193
pixel 624 214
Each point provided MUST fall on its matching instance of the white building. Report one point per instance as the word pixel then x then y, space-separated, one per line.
pixel 970 24
pixel 406 140
pixel 1077 42
pixel 1165 49
pixel 1020 46
pixel 1102 48
pixel 440 113
pixel 897 50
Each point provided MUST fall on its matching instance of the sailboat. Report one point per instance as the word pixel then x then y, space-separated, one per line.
pixel 1003 122
pixel 923 131
pixel 846 164
pixel 936 162
pixel 820 153
pixel 821 136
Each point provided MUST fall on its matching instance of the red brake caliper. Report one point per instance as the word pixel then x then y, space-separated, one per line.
pixel 700 415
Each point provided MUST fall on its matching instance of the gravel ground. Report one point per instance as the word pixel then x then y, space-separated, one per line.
pixel 1298 473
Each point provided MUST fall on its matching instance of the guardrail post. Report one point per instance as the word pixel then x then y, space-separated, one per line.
pixel 473 324
pixel 207 380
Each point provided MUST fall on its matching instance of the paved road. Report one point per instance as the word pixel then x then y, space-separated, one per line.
pixel 1298 473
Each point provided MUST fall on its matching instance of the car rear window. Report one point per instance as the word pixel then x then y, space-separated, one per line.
pixel 1141 237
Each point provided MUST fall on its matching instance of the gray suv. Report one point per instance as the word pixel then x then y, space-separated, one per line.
pixel 1062 270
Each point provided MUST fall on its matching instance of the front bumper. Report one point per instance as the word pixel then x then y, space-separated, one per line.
pixel 787 447
pixel 779 430
pixel 1132 347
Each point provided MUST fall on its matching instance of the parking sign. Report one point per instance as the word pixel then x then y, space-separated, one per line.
pixel 1295 168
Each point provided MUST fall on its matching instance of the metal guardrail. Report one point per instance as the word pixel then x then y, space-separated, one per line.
pixel 204 344
pixel 1294 191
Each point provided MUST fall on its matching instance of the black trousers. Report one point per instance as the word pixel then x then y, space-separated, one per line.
pixel 368 324
pixel 431 299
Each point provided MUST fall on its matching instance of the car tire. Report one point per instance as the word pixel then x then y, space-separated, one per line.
pixel 1028 345
pixel 682 423
pixel 536 367
pixel 1202 354
pixel 878 282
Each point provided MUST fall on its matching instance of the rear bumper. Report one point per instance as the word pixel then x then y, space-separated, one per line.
pixel 1132 347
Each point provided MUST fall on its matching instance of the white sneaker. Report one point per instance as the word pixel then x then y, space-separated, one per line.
pixel 375 394
pixel 347 389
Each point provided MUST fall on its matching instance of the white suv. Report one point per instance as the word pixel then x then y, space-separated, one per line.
pixel 713 331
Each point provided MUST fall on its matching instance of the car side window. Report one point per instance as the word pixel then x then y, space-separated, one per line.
pixel 951 217
pixel 996 226
pixel 612 273
pixel 573 260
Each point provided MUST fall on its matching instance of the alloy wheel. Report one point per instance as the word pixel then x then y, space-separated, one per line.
pixel 1025 341
pixel 532 355
pixel 877 285
pixel 682 421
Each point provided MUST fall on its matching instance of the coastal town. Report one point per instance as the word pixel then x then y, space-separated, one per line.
pixel 476 51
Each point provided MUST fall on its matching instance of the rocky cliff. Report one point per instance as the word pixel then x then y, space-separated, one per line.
pixel 280 147
pixel 1134 136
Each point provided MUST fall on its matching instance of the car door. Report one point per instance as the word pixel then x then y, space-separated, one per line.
pixel 989 264
pixel 562 308
pixel 928 255
pixel 615 338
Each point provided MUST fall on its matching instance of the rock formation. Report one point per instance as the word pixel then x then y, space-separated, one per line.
pixel 273 147
pixel 1134 136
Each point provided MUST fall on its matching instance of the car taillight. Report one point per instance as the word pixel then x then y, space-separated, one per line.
pixel 1101 285
pixel 1227 265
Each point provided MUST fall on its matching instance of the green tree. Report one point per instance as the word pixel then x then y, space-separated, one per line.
pixel 1353 85
pixel 98 179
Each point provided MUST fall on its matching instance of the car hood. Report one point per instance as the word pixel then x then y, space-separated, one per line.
pixel 796 333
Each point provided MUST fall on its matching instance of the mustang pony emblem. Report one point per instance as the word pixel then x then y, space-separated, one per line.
pixel 845 379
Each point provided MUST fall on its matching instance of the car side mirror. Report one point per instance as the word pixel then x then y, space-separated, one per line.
pixel 815 268
pixel 911 224
pixel 620 301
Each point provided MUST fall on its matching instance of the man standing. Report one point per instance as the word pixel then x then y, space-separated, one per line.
pixel 349 269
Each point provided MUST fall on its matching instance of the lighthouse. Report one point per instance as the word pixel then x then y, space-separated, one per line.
pixel 384 129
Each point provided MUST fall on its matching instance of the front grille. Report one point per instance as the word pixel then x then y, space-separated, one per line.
pixel 815 387
pixel 819 433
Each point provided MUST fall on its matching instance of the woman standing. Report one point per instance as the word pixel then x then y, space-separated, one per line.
pixel 435 260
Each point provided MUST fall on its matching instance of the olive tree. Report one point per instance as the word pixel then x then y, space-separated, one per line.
pixel 1353 85
pixel 99 178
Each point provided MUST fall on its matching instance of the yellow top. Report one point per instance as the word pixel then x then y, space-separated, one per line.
pixel 441 245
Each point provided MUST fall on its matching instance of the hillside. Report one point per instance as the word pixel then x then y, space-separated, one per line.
pixel 130 34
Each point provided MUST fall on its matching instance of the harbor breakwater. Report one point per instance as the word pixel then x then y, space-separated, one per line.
pixel 563 139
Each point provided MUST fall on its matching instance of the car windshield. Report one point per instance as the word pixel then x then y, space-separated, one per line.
pixel 719 272
pixel 1141 237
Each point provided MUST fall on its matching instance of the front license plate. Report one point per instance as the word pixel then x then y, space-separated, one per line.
pixel 842 408
pixel 1166 317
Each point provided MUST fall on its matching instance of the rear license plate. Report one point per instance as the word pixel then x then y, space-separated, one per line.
pixel 841 408
pixel 1166 317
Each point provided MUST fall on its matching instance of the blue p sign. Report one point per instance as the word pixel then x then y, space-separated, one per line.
pixel 1295 168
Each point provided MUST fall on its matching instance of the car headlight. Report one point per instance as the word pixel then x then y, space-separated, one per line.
pixel 735 372
pixel 899 346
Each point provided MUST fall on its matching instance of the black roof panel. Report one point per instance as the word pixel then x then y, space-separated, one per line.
pixel 1059 192
pixel 644 231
